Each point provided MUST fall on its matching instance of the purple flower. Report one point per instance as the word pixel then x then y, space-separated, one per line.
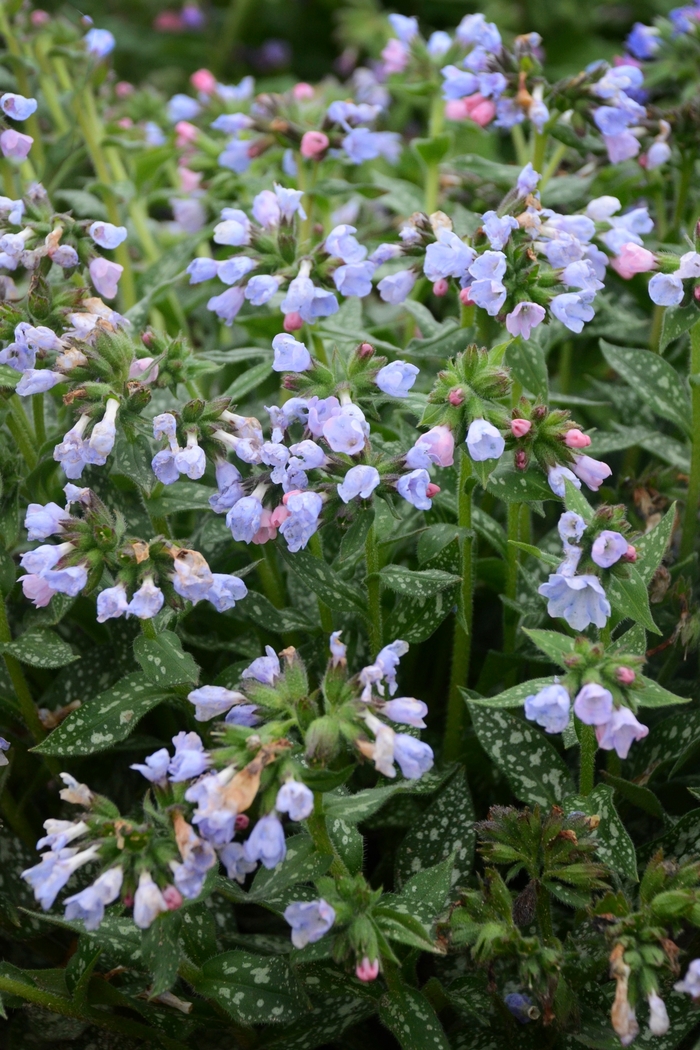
pixel 228 480
pixel 570 527
pixel 484 441
pixel 164 468
pixel 17 106
pixel 99 42
pixel 44 557
pixel 266 842
pixel 528 180
pixel 107 235
pixel 236 156
pixel 59 832
pixel 42 521
pixel 406 710
pixel 309 454
pixel 580 600
pixel 147 602
pixel 265 669
pixel 105 276
pixel 620 732
pixel 38 381
pixel 310 302
pixel 190 759
pixel 225 591
pixel 556 478
pixel 520 1006
pixel 359 481
pixel 337 648
pixel 413 756
pixel 355 279
pixel 213 700
pixel 49 876
pixel 234 230
pixel 243 519
pixel 361 144
pixel 383 669
pixel 232 270
pixel 290 354
pixel 523 318
pixel 666 289
pixel 572 309
pixel 260 289
pixel 449 256
pixel 414 488
pixel 498 229
pixel 232 856
pixel 591 471
pixel 593 704
pixel 299 527
pixel 405 28
pixel 70 580
pixel 295 799
pixel 89 904
pixel 621 147
pixel 549 708
pixel 103 435
pixel 243 715
pixel 396 378
pixel 691 982
pixel 439 43
pixel 309 920
pixel 608 548
pixel 643 41
pixel 202 270
pixel 191 460
pixel 396 287
pixel 266 209
pixel 347 430
pixel 342 243
pixel 149 902
pixel 111 603
pixel 156 766
pixel 227 305
pixel 289 202
pixel 474 29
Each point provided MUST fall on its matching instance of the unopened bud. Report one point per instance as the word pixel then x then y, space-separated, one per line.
pixel 293 322
pixel 440 288
pixel 456 397
pixel 696 293
pixel 432 490
pixel 520 459
pixel 625 675
pixel 290 382
pixel 367 971
pixel 242 822
pixel 520 427
pixel 302 92
pixel 574 438
pixel 147 337
pixel 540 411
pixel 172 897
pixel 630 554
pixel 365 350
pixel 322 738
pixel 465 297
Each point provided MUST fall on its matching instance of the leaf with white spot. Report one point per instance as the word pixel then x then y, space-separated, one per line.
pixel 653 545
pixel 303 863
pixel 263 613
pixel 40 648
pixel 160 949
pixel 348 842
pixel 105 720
pixel 419 585
pixel 615 848
pixel 677 320
pixel 322 1025
pixel 668 740
pixel 163 660
pixel 628 594
pixel 553 644
pixel 654 379
pixel 533 767
pixel 425 894
pixel 654 695
pixel 513 697
pixel 412 1021
pixel 358 807
pixel 680 843
pixel 575 501
pixel 518 486
pixel 315 574
pixel 444 830
pixel 254 989
pixel 526 360
pixel 633 641
pixel 416 620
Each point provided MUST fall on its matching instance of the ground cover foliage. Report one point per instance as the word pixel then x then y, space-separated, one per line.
pixel 350 464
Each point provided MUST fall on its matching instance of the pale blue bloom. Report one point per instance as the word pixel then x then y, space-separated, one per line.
pixel 70 580
pixel 243 519
pixel 608 547
pixel 414 488
pixel 149 902
pixel 474 29
pixel 448 256
pixel 498 230
pixel 581 275
pixel 17 106
pixel 231 270
pixel 228 480
pixel 231 123
pixel 361 481
pixel 227 305
pixel 580 600
pixel 266 842
pixel 593 704
pixel 156 766
pixel 413 756
pixel 38 381
pixel 361 144
pixel 290 355
pixel 243 715
pixel 439 43
pixel 49 876
pixel 99 43
pixel 342 243
pixel 225 591
pixel 89 904
pixel 572 309
pixel 406 710
pixel 265 669
pixel 190 759
pixel 232 856
pixel 191 460
pixel 549 708
pixel 309 920
pixel 163 466
pixel 202 269
pixel 556 478
pixel 620 732
pixel 396 288
pixel 260 289
pixel 236 156
pixel 396 378
pixel 458 83
pixel 107 235
pixel 528 180
pixel 309 453
pixel 405 28
pixel 304 298
pixel 42 521
pixel 182 107
pixel 234 229
pixel 570 527
pixel 147 602
pixel 112 603
pixel 295 799
pixel 302 523
pixel 346 429
pixel 666 289
pixel 354 279
pixel 289 202
pixel 484 441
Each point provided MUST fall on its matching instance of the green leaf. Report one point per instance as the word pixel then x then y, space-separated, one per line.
pixel 354 809
pixel 9 377
pixel 422 584
pixel 513 697
pixel 534 769
pixel 435 149
pixel 527 362
pixel 445 830
pixel 681 843
pixel 198 932
pixel 249 379
pixel 677 320
pixel 254 989
pixel 575 501
pixel 549 559
pixel 324 582
pixel 40 648
pixel 502 175
pixel 639 796
pixel 654 379
pixel 667 740
pixel 425 894
pixel 654 695
pixel 404 929
pixel 81 965
pixel 489 529
pixel 633 641
pixel 323 1025
pixel 411 1020
pixel 553 644
pixel 615 847
pixel 352 544
pixel 653 545
pixel 105 720
pixel 262 612
pixel 628 594
pixel 348 842
pixel 516 486
pixel 163 660
pixel 182 496
pixel 132 459
pixel 303 863
pixel 160 950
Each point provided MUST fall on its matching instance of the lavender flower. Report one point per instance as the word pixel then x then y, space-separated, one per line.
pixel 580 600
pixel 591 471
pixel 213 700
pixel 557 476
pixel 608 548
pixel 549 708
pixel 155 768
pixel 484 441
pixel 111 603
pixel 620 732
pixel 396 378
pixel 265 669
pixel 232 856
pixel 406 710
pixel 225 591
pixel 414 488
pixel 593 704
pixel 309 920
pixel 243 519
pixel 190 758
pixel 290 354
pixel 523 318
pixel 149 902
pixel 295 799
pixel 413 756
pixel 147 601
pixel 359 481
pixel 89 904
pixel 266 842
pixel 396 288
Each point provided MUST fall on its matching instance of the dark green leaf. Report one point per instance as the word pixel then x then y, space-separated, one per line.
pixel 249 379
pixel 445 830
pixel 513 697
pixel 677 320
pixel 160 950
pixel 615 847
pixel 412 1021
pixel 553 644
pixel 420 585
pixel 653 545
pixel 324 582
pixel 628 594
pixel 654 379
pixel 41 648
pixel 527 362
pixel 163 660
pixel 254 989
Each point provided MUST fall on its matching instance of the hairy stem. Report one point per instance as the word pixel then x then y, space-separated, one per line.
pixel 510 616
pixel 18 425
pixel 374 592
pixel 432 167
pixel 692 499
pixel 461 643
pixel 318 830
pixel 589 746
pixel 326 615
pixel 544 914
pixel 27 707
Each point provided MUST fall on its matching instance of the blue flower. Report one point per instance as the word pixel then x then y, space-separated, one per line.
pixel 448 256
pixel 89 904
pixel 17 106
pixel 458 83
pixel 265 669
pixel 190 758
pixel 484 441
pixel 234 229
pixel 310 302
pixel 147 602
pixel 643 41
pixel 302 522
pixel 243 519
pixel 346 430
pixel 290 355
pixel 232 856
pixel 405 28
pixel 230 489
pixel 309 920
pixel 225 591
pixel 42 521
pixel 549 708
pixel 521 1007
pixel 156 766
pixel 236 156
pixel 295 799
pixel 580 600
pixel 111 603
pixel 414 488
pixel 181 107
pixel 666 289
pixel 202 270
pixel 231 270
pixel 573 309
pixel 498 230
pixel 396 378
pixel 227 305
pixel 361 481
pixel 212 700
pixel 342 243
pixel 413 756
pixel 396 287
pixel 100 42
pixel 266 842
pixel 261 288
pixel 354 279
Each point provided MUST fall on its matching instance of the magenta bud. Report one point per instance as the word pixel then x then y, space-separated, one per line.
pixel 367 971
pixel 293 322
pixel 432 490
pixel 465 297
pixel 456 397
pixel 696 293
pixel 630 554
pixel 440 288
pixel 625 675
pixel 290 382
pixel 172 897
pixel 540 412
pixel 520 427
pixel 242 822
pixel 147 338
pixel 128 900
pixel 574 438
pixel 365 350
pixel 520 459
pixel 302 92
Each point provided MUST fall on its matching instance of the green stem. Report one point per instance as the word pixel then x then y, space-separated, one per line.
pixel 432 167
pixel 148 629
pixel 539 147
pixel 38 416
pixel 544 914
pixel 692 500
pixel 13 46
pixel 318 830
pixel 19 682
pixel 589 746
pixel 306 181
pixel 657 320
pixel 374 592
pixel 510 617
pixel 461 644
pixel 519 145
pixel 553 165
pixel 271 577
pixel 686 175
pixel 326 615
pixel 18 425
pixel 231 31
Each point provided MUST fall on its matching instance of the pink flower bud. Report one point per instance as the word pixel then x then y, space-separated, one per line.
pixel 128 900
pixel 293 322
pixel 189 180
pixel 520 459
pixel 302 92
pixel 367 971
pixel 40 18
pixel 625 675
pixel 520 427
pixel 123 89
pixel 696 293
pixel 172 897
pixel 203 81
pixel 643 161
pixel 465 297
pixel 455 109
pixel 440 288
pixel 365 350
pixel 15 144
pixel 125 122
pixel 242 822
pixel 314 144
pixel 290 382
pixel 630 554
pixel 633 259
pixel 147 338
pixel 432 490
pixel 185 132
pixel 456 397
pixel 576 439
pixel 479 109
pixel 294 492
pixel 279 514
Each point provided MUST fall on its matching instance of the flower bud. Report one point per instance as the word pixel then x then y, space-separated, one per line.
pixel 575 439
pixel 520 459
pixel 293 322
pixel 465 297
pixel 432 490
pixel 440 288
pixel 520 427
pixel 625 675
pixel 313 145
pixel 696 293
pixel 540 412
pixel 290 382
pixel 322 739
pixel 367 971
pixel 242 822
pixel 172 897
pixel 302 92
pixel 630 554
pixel 365 350
pixel 456 397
